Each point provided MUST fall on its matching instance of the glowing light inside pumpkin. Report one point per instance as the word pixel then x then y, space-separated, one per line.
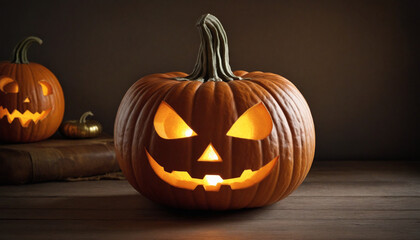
pixel 255 124
pixel 26 100
pixel 188 132
pixel 24 118
pixel 212 180
pixel 169 125
pixel 210 155
pixel 182 179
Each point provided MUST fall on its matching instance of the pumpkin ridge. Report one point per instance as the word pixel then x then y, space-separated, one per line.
pixel 135 147
pixel 122 160
pixel 303 112
pixel 255 194
pixel 162 95
pixel 57 97
pixel 238 196
pixel 173 91
pixel 302 153
pixel 256 202
pixel 234 110
pixel 303 157
pixel 131 105
pixel 297 159
pixel 190 144
pixel 282 103
pixel 35 100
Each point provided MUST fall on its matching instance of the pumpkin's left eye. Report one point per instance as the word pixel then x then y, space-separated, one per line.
pixel 255 124
pixel 8 85
pixel 169 125
pixel 46 87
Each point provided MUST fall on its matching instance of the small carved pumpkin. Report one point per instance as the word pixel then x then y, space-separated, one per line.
pixel 81 128
pixel 214 139
pixel 31 98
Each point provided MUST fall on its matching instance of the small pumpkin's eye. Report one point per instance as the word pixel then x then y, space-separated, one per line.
pixel 46 87
pixel 8 85
pixel 255 124
pixel 169 125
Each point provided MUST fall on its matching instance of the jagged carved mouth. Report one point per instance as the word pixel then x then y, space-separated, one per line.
pixel 182 179
pixel 24 118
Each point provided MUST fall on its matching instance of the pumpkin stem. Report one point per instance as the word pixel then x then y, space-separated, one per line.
pixel 213 56
pixel 20 51
pixel 84 116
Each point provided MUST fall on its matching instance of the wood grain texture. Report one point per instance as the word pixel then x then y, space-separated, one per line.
pixel 338 200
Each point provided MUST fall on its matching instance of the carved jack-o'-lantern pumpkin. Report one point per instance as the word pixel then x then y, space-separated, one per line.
pixel 31 98
pixel 214 139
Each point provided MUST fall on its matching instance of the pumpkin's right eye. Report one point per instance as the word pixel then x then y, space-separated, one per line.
pixel 46 87
pixel 254 124
pixel 8 85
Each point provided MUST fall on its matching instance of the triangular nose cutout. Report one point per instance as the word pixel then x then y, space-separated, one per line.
pixel 210 155
pixel 26 100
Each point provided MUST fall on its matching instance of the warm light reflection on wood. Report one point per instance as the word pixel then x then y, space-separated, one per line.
pixel 255 124
pixel 182 179
pixel 169 125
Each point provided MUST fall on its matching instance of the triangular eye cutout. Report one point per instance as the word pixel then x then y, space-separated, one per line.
pixel 255 124
pixel 169 125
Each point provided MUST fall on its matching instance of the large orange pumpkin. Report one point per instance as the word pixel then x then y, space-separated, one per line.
pixel 214 139
pixel 31 98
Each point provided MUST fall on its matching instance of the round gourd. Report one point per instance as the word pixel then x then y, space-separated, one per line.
pixel 214 139
pixel 31 98
pixel 81 128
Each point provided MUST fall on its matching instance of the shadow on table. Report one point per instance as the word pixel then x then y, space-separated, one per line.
pixel 136 213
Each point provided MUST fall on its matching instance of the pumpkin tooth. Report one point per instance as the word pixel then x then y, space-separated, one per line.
pixel 24 118
pixel 13 115
pixel 3 112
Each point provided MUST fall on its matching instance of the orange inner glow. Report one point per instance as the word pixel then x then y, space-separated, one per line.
pixel 210 155
pixel 169 125
pixel 254 124
pixel 25 117
pixel 182 179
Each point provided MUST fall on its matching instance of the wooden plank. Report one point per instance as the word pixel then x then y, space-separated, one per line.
pixel 137 202
pixel 113 188
pixel 204 229
pixel 343 200
pixel 260 214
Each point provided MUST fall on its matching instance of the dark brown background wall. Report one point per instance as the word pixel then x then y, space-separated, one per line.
pixel 356 62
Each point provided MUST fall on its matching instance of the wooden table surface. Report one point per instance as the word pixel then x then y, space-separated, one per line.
pixel 338 200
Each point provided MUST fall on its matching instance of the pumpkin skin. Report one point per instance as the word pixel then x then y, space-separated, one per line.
pixel 38 91
pixel 210 106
